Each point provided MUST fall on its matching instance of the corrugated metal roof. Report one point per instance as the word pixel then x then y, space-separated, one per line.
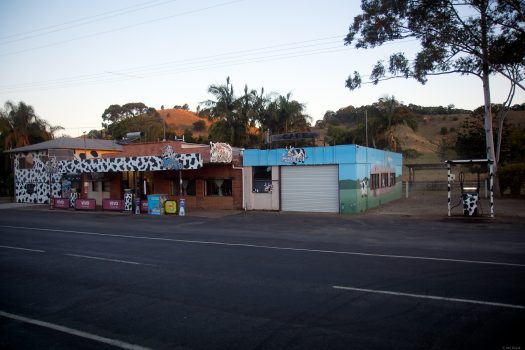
pixel 70 143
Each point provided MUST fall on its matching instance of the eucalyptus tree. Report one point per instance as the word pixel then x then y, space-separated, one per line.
pixel 130 117
pixel 468 37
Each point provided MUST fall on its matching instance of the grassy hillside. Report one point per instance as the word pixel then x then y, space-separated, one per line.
pixel 179 120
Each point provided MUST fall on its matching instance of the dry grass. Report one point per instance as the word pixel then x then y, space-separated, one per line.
pixel 179 120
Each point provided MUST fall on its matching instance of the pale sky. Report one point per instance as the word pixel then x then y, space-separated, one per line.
pixel 72 59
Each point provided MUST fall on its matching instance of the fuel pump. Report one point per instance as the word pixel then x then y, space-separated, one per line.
pixel 470 196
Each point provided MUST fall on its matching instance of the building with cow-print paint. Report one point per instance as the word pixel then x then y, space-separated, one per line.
pixel 101 170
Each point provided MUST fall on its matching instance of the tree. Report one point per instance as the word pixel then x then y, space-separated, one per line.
pixel 114 117
pixel 470 140
pixel 20 126
pixel 478 37
pixel 199 125
pixel 234 118
pixel 286 115
pixel 116 113
pixel 230 125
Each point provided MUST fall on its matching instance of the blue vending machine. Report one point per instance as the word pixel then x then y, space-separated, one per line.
pixel 156 204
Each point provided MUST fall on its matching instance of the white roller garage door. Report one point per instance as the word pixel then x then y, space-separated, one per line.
pixel 310 188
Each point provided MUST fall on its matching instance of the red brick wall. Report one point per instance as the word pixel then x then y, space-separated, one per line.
pixel 162 185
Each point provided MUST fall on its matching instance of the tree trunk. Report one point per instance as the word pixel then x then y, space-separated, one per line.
pixel 489 135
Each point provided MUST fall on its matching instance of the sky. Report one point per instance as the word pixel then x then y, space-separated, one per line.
pixel 72 59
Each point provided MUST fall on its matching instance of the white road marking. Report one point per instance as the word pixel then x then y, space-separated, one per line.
pixel 104 259
pixel 113 342
pixel 389 256
pixel 26 249
pixel 432 297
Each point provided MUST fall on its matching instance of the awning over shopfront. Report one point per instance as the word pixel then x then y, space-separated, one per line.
pixel 119 164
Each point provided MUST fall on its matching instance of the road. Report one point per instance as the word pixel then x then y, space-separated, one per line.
pixel 259 281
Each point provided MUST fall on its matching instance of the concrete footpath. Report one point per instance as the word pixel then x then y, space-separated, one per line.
pixel 430 205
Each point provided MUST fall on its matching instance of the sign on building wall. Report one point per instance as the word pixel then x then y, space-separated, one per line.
pixel 220 152
pixel 294 155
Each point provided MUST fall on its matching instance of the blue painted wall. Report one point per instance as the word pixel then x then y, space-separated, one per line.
pixel 356 164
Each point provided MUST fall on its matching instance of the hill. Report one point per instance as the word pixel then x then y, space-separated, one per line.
pixel 179 120
pixel 432 131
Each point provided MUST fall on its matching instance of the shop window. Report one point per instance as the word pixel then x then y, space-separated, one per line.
pixel 25 162
pixel 105 186
pixel 188 187
pixel 94 186
pixel 262 179
pixel 219 187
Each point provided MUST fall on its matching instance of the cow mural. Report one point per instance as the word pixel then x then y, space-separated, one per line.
pixel 294 155
pixel 220 152
pixel 363 184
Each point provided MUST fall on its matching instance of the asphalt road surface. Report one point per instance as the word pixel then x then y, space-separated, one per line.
pixel 259 281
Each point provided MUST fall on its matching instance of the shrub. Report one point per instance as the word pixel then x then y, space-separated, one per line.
pixel 411 153
pixel 199 125
pixel 444 130
pixel 512 176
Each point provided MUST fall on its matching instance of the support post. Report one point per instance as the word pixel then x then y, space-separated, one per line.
pixel 491 179
pixel 448 187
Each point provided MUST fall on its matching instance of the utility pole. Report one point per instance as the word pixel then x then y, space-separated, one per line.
pixel 366 127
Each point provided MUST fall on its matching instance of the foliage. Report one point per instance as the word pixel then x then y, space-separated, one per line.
pixel 150 125
pixel 437 110
pixel 460 37
pixel 131 117
pixel 513 149
pixel 382 117
pixel 471 37
pixel 185 107
pixel 96 134
pixel 446 149
pixel 20 126
pixel 234 116
pixel 115 114
pixel 199 125
pixel 338 135
pixel 512 176
pixel 470 140
pixel 411 153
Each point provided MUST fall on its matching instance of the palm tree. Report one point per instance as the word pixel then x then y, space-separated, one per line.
pixel 232 114
pixel 288 115
pixel 20 126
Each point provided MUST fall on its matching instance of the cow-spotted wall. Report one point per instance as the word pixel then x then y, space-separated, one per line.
pixel 32 185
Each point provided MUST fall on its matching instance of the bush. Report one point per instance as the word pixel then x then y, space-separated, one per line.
pixel 411 153
pixel 512 176
pixel 199 125
pixel 444 130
